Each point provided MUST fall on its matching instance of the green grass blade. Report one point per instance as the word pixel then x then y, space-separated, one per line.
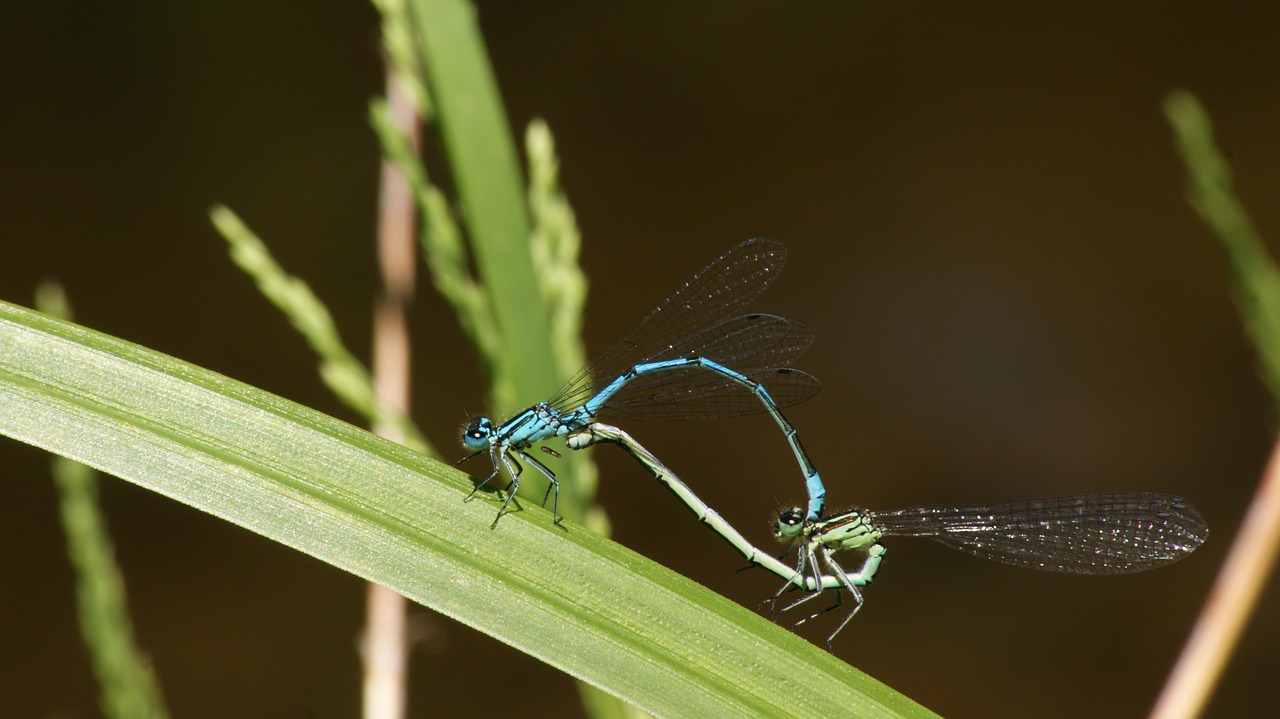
pixel 127 685
pixel 345 376
pixel 1211 192
pixel 440 239
pixel 486 172
pixel 389 515
pixel 527 366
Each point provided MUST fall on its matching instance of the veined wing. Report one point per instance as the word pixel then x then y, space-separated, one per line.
pixel 757 346
pixel 718 292
pixel 1080 534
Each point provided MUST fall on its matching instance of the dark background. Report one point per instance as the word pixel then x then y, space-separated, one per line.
pixel 987 227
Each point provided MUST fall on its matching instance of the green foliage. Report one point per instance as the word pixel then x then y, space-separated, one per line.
pixel 392 516
pixel 127 685
pixel 1212 194
pixel 345 376
pixel 486 172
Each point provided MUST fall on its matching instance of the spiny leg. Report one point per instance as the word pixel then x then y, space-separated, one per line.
pixel 480 485
pixel 875 554
pixel 873 557
pixel 554 484
pixel 495 454
pixel 806 567
pixel 514 469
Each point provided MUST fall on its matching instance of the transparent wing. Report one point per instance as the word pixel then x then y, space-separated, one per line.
pixel 757 346
pixel 716 293
pixel 1081 534
pixel 703 396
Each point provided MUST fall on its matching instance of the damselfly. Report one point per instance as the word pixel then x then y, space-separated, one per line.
pixel 1082 534
pixel 690 358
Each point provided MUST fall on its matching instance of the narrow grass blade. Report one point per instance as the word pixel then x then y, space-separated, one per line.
pixel 371 507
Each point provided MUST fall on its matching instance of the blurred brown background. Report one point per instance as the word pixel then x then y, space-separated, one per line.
pixel 987 229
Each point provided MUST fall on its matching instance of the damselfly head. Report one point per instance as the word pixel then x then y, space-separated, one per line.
pixel 475 436
pixel 790 523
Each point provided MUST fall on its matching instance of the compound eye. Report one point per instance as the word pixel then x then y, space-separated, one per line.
pixel 477 432
pixel 790 522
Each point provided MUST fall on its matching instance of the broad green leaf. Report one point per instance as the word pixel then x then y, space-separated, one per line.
pixel 127 686
pixel 569 597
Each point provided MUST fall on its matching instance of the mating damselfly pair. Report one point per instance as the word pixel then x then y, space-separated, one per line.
pixel 693 357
